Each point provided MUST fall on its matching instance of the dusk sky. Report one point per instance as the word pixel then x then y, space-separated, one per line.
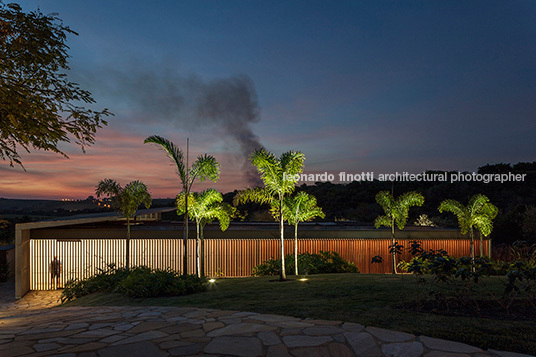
pixel 380 86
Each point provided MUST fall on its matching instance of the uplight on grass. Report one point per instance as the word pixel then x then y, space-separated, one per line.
pixel 303 279
pixel 212 280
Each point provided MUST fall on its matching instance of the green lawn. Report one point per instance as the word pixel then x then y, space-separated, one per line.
pixel 371 300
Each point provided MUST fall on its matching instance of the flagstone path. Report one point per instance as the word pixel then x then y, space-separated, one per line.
pixel 32 326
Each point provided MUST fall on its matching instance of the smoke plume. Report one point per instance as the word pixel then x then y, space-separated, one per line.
pixel 188 102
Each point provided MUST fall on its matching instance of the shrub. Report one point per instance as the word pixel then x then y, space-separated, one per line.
pixel 138 282
pixel 106 280
pixel 457 279
pixel 142 282
pixel 322 263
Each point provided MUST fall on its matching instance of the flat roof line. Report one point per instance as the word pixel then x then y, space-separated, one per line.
pixel 88 218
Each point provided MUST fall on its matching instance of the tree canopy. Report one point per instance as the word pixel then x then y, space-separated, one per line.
pixel 204 207
pixel 204 167
pixel 126 201
pixel 278 176
pixel 39 106
pixel 300 208
pixel 479 213
pixel 396 213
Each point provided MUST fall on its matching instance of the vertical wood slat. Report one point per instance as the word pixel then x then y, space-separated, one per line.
pixel 223 257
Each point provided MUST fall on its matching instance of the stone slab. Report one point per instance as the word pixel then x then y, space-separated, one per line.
pixel 363 344
pixel 448 346
pixel 138 349
pixel 235 346
pixel 305 341
pixel 389 335
pixel 403 349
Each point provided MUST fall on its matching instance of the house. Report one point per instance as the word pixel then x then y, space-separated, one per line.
pixel 86 245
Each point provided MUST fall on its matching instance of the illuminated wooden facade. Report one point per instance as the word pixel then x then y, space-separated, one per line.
pixel 86 246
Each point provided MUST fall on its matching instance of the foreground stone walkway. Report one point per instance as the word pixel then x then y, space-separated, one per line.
pixel 30 327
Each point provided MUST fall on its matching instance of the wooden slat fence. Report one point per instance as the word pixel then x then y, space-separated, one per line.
pixel 227 257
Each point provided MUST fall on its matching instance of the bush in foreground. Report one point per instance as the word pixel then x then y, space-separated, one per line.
pixel 322 263
pixel 140 282
pixel 457 282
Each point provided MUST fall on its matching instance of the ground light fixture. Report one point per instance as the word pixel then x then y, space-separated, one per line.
pixel 303 279
pixel 212 281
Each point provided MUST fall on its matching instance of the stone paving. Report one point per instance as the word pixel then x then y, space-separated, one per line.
pixel 31 326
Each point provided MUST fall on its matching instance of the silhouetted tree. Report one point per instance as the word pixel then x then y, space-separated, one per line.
pixel 39 107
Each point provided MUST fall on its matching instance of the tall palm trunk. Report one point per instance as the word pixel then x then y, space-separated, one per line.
pixel 393 244
pixel 197 250
pixel 481 248
pixel 185 229
pixel 296 249
pixel 472 248
pixel 202 252
pixel 185 241
pixel 282 230
pixel 128 244
pixel 472 245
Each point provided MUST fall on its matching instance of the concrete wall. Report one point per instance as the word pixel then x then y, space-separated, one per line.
pixel 22 262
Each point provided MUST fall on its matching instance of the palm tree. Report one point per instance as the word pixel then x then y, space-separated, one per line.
pixel 279 178
pixel 300 208
pixel 126 201
pixel 396 213
pixel 203 208
pixel 479 213
pixel 204 167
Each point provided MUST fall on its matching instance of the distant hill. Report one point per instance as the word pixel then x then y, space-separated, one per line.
pixel 49 207
pixel 29 206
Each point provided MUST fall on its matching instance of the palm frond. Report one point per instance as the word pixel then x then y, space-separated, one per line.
pixel 257 195
pixel 173 152
pixel 139 192
pixel 382 221
pixel 402 206
pixel 483 223
pixel 301 207
pixel 459 210
pixel 268 167
pixel 452 206
pixel 180 203
pixel 410 199
pixel 386 200
pixel 108 187
pixel 292 162
pixel 209 197
pixel 205 167
pixel 478 213
pixel 126 199
pixel 223 212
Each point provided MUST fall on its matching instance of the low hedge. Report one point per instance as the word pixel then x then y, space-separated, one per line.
pixel 322 263
pixel 139 282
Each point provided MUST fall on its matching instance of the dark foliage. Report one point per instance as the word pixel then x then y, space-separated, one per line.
pixel 323 263
pixel 457 283
pixel 143 282
pixel 40 107
pixel 139 282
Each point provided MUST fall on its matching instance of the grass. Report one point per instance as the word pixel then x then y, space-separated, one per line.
pixel 368 299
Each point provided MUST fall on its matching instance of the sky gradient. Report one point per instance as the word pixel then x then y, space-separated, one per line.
pixel 379 86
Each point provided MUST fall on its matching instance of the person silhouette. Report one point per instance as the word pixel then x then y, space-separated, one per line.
pixel 55 272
